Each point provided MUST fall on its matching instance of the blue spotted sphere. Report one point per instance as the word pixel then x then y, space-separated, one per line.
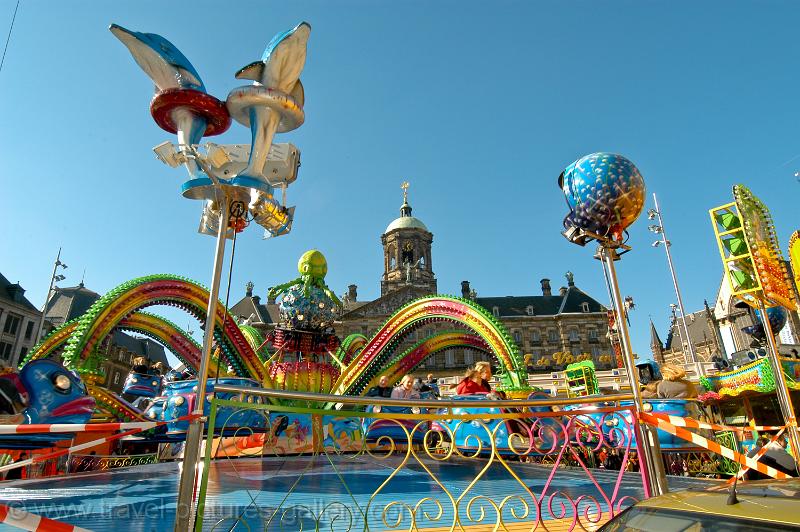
pixel 605 193
pixel 777 320
pixel 314 312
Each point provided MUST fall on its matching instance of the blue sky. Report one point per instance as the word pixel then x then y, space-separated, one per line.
pixel 479 105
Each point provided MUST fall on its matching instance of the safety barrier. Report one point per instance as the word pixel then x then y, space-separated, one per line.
pixel 415 465
pixel 679 427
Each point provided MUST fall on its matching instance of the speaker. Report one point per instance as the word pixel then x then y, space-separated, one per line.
pixel 740 358
pixel 721 363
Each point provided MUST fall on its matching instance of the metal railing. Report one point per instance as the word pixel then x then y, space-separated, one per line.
pixel 416 464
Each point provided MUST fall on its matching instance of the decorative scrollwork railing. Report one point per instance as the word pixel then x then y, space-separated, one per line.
pixel 89 462
pixel 381 464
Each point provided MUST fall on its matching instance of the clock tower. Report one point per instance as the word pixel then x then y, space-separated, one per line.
pixel 407 252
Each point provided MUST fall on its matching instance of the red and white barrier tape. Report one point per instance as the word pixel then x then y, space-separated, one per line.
pixel 35 523
pixel 78 427
pixel 93 443
pixel 761 452
pixel 712 446
pixel 693 423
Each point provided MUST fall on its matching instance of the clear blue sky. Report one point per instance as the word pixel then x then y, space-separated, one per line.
pixel 479 105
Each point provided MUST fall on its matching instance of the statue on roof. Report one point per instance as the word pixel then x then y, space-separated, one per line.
pixel 570 278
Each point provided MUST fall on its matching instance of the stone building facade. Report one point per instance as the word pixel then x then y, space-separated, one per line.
pixel 19 322
pixel 552 330
pixel 717 332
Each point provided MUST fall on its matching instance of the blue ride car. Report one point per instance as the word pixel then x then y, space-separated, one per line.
pixel 53 395
pixel 179 400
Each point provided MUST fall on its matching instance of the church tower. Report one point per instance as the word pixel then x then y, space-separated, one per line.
pixel 407 253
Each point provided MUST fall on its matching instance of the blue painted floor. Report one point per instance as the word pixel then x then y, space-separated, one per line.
pixel 292 493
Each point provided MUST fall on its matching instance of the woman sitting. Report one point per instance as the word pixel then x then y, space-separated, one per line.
pixel 476 380
pixel 675 385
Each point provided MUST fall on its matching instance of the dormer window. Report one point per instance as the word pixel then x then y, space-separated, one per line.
pixel 529 310
pixel 496 312
pixel 584 307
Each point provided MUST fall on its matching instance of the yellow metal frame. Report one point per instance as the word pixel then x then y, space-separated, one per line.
pixel 751 295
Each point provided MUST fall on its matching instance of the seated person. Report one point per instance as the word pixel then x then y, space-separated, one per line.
pixel 11 400
pixel 476 380
pixel 406 389
pixel 157 368
pixel 139 365
pixel 775 456
pixel 674 384
pixel 382 389
pixel 432 384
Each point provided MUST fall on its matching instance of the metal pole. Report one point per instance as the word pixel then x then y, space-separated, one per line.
pixel 782 391
pixel 647 436
pixel 185 511
pixel 47 297
pixel 698 368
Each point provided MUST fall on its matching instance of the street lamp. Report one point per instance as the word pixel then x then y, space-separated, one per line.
pixel 56 277
pixel 655 214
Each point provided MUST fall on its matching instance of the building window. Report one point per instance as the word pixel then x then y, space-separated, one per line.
pixel 593 335
pixel 23 352
pixel 496 312
pixel 392 263
pixel 5 350
pixel 552 336
pixel 529 310
pixel 517 337
pixel 12 324
pixel 574 336
pixel 121 356
pixel 536 336
pixel 29 330
pixel 469 358
pixel 449 359
pixel 584 307
pixel 116 378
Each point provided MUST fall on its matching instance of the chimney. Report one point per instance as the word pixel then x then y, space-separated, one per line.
pixel 352 292
pixel 465 289
pixel 562 291
pixel 16 292
pixel 270 300
pixel 546 291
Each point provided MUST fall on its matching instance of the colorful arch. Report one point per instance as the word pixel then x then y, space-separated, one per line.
pixel 183 346
pixel 513 374
pixel 107 312
pixel 350 347
pixel 256 341
pixel 410 359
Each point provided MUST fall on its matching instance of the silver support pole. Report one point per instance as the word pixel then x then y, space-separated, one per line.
pixel 185 511
pixel 782 391
pixel 47 297
pixel 692 354
pixel 646 436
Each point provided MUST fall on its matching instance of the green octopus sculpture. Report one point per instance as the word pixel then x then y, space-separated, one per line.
pixel 312 267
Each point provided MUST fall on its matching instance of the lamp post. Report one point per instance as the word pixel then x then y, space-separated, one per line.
pixel 658 229
pixel 605 194
pixel 56 277
pixel 236 183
